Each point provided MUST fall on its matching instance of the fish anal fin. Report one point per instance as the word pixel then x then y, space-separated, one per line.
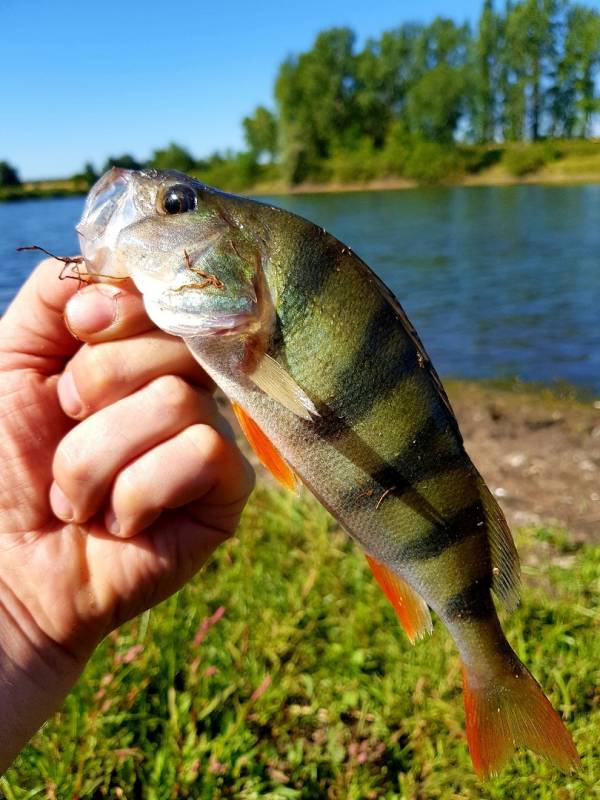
pixel 411 609
pixel 506 572
pixel 273 380
pixel 267 453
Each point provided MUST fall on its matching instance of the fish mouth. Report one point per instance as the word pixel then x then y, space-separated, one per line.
pixel 110 207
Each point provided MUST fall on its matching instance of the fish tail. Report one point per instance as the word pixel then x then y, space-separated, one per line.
pixel 509 710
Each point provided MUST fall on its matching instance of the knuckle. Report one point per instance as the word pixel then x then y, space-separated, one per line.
pixel 70 462
pixel 131 491
pixel 172 391
pixel 222 455
pixel 100 373
pixel 210 444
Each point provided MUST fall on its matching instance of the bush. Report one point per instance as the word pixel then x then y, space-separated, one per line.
pixel 125 161
pixel 232 173
pixel 8 175
pixel 430 162
pixel 526 159
pixel 173 157
pixel 362 163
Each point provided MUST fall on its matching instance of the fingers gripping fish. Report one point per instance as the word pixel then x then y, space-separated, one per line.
pixel 331 383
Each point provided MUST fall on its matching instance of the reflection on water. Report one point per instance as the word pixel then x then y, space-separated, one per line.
pixel 498 281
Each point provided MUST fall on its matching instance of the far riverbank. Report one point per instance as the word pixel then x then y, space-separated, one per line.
pixel 550 163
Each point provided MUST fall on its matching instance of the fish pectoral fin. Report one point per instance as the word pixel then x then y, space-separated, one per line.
pixel 267 453
pixel 411 609
pixel 272 378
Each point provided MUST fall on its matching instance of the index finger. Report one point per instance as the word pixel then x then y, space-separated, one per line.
pixel 101 312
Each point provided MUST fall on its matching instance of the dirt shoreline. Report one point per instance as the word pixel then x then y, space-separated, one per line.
pixel 492 178
pixel 539 454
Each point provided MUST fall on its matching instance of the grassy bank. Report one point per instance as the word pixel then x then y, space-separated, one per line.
pixel 401 167
pixel 280 672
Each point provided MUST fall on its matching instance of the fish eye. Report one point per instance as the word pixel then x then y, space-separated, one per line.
pixel 176 199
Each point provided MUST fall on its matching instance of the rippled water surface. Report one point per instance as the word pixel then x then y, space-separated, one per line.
pixel 498 281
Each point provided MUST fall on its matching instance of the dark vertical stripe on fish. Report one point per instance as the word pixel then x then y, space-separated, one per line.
pixel 306 277
pixel 473 602
pixel 382 357
pixel 466 523
pixel 432 450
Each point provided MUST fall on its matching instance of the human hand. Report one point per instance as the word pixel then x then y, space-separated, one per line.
pixel 117 481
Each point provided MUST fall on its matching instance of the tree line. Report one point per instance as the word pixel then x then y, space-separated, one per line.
pixel 525 72
pixel 412 101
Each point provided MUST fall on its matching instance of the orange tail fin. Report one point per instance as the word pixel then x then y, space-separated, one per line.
pixel 512 712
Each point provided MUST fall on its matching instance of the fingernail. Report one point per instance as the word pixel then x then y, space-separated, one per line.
pixel 68 395
pixel 60 503
pixel 92 309
pixel 112 523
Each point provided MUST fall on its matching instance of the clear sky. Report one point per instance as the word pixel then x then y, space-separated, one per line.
pixel 83 80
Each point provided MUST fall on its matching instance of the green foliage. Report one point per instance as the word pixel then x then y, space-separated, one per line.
pixel 361 163
pixel 521 160
pixel 432 162
pixel 125 161
pixel 173 157
pixel 88 176
pixel 304 686
pixel 233 172
pixel 260 131
pixel 8 175
pixel 435 103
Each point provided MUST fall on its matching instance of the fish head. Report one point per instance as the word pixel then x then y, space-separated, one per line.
pixel 183 244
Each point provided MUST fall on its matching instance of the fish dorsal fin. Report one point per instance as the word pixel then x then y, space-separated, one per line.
pixel 272 378
pixel 506 573
pixel 267 453
pixel 410 607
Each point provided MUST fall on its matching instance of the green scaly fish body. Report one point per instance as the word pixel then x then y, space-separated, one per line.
pixel 247 284
pixel 385 455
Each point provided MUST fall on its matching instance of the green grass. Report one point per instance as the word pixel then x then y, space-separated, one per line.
pixel 306 687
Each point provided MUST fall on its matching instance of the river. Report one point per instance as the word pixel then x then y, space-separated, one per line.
pixel 499 281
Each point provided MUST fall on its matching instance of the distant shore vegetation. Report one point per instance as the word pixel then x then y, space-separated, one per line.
pixel 511 97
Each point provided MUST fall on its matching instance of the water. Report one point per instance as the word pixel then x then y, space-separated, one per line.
pixel 498 281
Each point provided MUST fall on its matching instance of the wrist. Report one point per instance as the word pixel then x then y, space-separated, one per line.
pixel 36 674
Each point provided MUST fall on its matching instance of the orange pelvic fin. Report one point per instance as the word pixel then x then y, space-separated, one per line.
pixel 410 607
pixel 267 453
pixel 509 712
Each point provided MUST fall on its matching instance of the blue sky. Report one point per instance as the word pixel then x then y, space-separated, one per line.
pixel 82 80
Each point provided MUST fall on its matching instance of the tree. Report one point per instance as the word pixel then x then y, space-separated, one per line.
pixel 8 175
pixel 88 175
pixel 437 99
pixel 385 71
pixel 485 75
pixel 173 157
pixel 581 62
pixel 530 50
pixel 260 131
pixel 125 161
pixel 436 103
pixel 315 95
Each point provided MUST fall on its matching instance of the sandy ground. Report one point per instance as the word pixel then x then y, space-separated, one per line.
pixel 539 454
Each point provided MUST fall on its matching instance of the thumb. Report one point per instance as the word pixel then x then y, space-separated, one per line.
pixel 32 331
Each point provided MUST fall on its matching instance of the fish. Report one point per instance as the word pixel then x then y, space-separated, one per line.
pixel 333 387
